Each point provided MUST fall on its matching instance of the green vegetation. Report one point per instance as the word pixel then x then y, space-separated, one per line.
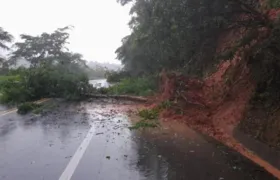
pixel 186 36
pixel 41 82
pixel 149 114
pixel 274 3
pixel 5 38
pixel 144 124
pixel 54 71
pixel 144 86
pixel 182 35
pixel 165 104
pixel 35 108
pixel 47 106
pixel 38 110
pixel 3 81
pixel 149 119
pixel 9 78
pixel 27 107
pixel 192 37
pixel 117 76
pixel 14 91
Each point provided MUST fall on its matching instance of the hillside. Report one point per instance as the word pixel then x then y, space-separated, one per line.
pixel 217 62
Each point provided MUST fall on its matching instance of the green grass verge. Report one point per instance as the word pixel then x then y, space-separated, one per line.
pixel 144 124
pixel 149 117
pixel 134 86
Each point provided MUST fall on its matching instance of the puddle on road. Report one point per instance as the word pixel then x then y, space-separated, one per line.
pixel 39 147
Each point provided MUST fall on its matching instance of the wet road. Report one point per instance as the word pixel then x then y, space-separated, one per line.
pixel 3 108
pixel 91 141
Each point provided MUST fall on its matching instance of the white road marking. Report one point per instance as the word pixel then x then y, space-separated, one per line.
pixel 72 165
pixel 8 112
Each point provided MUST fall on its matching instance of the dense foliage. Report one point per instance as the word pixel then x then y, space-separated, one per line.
pixel 5 38
pixel 186 35
pixel 143 86
pixel 45 81
pixel 54 71
pixel 24 108
pixel 182 35
pixel 46 49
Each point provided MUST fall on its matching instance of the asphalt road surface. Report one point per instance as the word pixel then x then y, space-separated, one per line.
pixel 92 141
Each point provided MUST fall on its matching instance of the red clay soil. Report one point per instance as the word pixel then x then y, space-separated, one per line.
pixel 216 103
pixel 212 104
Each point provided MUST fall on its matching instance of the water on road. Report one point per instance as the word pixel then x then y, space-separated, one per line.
pixel 91 140
pixel 98 83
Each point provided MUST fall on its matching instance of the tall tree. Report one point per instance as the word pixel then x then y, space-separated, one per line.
pixel 5 38
pixel 46 49
pixel 182 34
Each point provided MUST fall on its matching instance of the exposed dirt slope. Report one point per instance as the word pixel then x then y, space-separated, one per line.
pixel 219 102
pixel 215 103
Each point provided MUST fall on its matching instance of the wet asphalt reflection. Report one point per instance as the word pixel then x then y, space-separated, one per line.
pixel 41 147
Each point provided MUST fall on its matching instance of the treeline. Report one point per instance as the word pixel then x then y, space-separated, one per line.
pixel 185 36
pixel 182 35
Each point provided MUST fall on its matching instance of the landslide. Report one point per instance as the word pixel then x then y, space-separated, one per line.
pixel 243 92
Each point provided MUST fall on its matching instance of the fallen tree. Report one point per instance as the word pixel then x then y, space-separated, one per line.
pixel 120 97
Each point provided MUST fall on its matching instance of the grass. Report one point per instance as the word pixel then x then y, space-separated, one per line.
pixel 144 86
pixel 165 104
pixel 149 119
pixel 149 114
pixel 144 124
pixel 5 78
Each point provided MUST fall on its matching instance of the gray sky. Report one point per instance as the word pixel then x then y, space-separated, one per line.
pixel 99 24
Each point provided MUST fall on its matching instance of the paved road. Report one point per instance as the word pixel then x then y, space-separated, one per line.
pixel 91 141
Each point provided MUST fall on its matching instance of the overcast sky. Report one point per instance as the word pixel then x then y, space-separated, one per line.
pixel 99 24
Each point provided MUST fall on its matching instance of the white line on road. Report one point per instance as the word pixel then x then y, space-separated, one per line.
pixel 8 112
pixel 72 165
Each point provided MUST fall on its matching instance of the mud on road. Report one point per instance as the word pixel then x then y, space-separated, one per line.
pixel 45 146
